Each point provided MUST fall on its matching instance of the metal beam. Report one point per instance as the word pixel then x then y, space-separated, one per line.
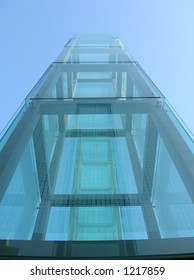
pixel 43 179
pixel 119 84
pixel 69 107
pixel 75 200
pixel 153 229
pixel 41 160
pixel 69 85
pixel 149 159
pixel 91 67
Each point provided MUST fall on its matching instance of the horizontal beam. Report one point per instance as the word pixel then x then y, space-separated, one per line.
pixel 92 67
pixel 97 200
pixel 98 50
pixel 95 106
pixel 95 133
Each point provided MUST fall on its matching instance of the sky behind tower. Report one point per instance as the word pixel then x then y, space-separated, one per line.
pixel 157 33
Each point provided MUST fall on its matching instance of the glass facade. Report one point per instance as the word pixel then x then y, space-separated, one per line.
pixel 96 163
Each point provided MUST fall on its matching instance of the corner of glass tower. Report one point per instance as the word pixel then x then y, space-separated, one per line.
pixel 96 164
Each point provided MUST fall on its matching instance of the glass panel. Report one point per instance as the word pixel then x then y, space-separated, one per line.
pixel 143 83
pixel 133 85
pixel 95 165
pixel 99 40
pixel 58 224
pixel 94 121
pixel 100 58
pixel 92 53
pixel 94 75
pixel 173 206
pixel 125 176
pixel 96 223
pixel 94 90
pixel 182 128
pixel 9 128
pixel 89 43
pixel 134 227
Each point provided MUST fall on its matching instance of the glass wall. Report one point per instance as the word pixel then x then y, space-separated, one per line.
pixel 96 159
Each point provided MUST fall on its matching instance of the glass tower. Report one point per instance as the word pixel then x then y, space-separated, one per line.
pixel 96 164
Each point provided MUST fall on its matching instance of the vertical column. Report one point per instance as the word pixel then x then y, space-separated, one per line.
pixel 75 60
pixel 150 151
pixel 112 59
pixel 69 84
pixel 60 88
pixel 55 161
pixel 40 157
pixel 149 156
pixel 119 84
pixel 119 76
pixel 31 195
pixel 129 86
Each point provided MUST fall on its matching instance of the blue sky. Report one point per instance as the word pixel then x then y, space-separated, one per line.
pixel 158 33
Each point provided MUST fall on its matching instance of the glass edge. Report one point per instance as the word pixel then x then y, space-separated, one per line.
pixel 179 120
pixel 11 121
pixel 43 76
pixel 149 80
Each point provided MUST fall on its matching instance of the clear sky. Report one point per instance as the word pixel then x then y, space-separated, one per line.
pixel 159 34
